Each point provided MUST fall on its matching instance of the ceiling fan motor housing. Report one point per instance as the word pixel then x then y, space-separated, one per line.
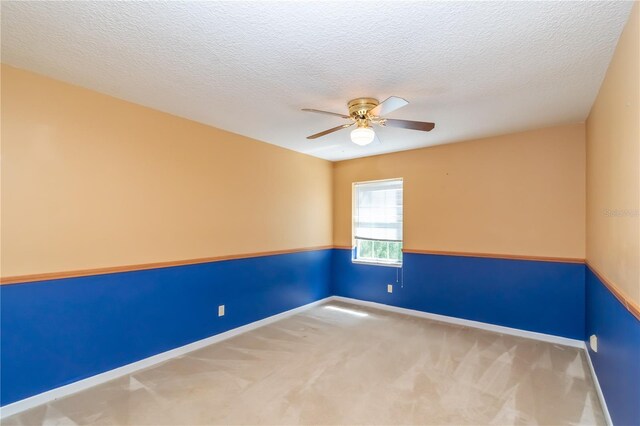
pixel 360 107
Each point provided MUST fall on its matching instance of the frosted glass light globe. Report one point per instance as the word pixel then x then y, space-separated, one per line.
pixel 362 136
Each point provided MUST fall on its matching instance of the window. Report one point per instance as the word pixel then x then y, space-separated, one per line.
pixel 377 222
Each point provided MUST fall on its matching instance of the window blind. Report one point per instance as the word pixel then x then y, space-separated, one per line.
pixel 378 211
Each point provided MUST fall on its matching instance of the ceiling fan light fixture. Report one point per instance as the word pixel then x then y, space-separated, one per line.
pixel 362 136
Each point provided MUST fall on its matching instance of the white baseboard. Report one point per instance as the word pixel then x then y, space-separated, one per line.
pixel 80 385
pixel 469 323
pixel 603 402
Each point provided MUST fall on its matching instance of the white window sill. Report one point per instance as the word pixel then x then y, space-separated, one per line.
pixel 376 263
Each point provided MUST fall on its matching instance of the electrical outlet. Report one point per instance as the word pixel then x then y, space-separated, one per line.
pixel 593 342
pixel 221 310
pixel 389 288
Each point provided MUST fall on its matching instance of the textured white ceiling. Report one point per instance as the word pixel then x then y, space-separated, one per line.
pixel 475 69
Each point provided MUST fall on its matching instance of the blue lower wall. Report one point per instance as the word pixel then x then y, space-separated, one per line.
pixel 617 362
pixel 57 332
pixel 546 297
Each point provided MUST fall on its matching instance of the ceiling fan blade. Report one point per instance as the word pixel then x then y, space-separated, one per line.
pixel 326 132
pixel 390 104
pixel 325 112
pixel 407 124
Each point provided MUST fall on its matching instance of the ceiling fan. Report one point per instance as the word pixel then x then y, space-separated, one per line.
pixel 364 112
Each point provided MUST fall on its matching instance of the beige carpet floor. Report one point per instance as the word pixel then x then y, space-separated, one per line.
pixel 345 364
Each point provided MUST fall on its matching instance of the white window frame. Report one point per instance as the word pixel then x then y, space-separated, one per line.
pixel 355 239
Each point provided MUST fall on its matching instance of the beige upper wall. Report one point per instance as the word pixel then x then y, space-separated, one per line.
pixel 613 171
pixel 519 194
pixel 91 181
